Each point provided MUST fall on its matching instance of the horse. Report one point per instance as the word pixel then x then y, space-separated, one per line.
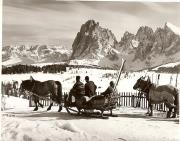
pixel 15 88
pixel 43 90
pixel 157 94
pixel 9 88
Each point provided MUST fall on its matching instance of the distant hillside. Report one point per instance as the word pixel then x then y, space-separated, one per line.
pixel 168 68
pixel 25 54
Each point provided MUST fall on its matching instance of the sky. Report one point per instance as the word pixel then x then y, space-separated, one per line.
pixel 57 22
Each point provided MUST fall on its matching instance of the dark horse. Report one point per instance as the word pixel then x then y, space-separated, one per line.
pixel 43 90
pixel 159 94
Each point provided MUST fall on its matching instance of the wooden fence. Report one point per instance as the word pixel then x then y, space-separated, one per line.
pixel 128 99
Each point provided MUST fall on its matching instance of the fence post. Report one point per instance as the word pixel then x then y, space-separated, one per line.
pixel 119 99
pixel 132 100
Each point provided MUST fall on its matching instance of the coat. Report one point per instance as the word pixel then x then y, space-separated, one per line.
pixel 108 91
pixel 90 89
pixel 78 89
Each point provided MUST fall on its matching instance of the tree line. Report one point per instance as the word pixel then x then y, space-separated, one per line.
pixel 54 68
pixel 19 69
pixel 175 69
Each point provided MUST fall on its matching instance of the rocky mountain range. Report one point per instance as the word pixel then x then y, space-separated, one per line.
pixel 95 44
pixel 21 54
pixel 148 48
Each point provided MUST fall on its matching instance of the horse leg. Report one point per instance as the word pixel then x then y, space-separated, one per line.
pixel 176 106
pixel 60 108
pixel 169 112
pixel 151 109
pixel 174 113
pixel 60 103
pixel 49 108
pixel 148 110
pixel 36 103
pixel 36 108
pixel 40 104
pixel 59 94
pixel 170 106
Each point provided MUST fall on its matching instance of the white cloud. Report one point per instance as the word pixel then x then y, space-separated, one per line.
pixel 63 20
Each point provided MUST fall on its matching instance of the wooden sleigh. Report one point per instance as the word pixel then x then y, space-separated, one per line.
pixel 93 107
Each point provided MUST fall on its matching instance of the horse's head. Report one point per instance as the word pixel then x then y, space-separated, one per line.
pixel 26 85
pixel 142 84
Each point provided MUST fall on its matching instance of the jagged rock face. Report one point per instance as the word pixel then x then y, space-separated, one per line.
pixel 148 48
pixel 93 42
pixel 162 41
pixel 144 33
pixel 166 41
pixel 126 41
pixel 35 54
pixel 145 38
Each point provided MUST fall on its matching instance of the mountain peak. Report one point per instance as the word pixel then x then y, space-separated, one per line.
pixel 90 22
pixel 93 41
pixel 127 33
pixel 144 30
pixel 173 28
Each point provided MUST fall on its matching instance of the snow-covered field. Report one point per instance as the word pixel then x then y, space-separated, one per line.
pixel 20 123
pixel 23 124
pixel 100 77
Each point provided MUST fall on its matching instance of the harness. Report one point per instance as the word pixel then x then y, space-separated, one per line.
pixel 31 94
pixel 146 89
pixel 148 86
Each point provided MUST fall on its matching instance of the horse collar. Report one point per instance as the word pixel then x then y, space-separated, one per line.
pixel 148 86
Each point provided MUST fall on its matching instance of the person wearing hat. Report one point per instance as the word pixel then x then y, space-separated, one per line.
pixel 90 87
pixel 110 89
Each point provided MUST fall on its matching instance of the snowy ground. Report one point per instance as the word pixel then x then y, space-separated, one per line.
pixel 23 124
pixel 100 77
pixel 20 123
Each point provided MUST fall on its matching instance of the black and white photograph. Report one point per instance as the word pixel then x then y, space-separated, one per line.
pixel 90 70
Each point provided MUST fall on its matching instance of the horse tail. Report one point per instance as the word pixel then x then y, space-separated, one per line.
pixel 59 91
pixel 176 101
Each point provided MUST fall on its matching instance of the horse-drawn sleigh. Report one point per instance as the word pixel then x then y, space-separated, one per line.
pixel 83 104
pixel 86 106
pixel 89 106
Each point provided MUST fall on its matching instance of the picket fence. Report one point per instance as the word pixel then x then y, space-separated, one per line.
pixel 128 99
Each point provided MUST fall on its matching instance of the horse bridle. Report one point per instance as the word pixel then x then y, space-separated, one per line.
pixel 30 91
pixel 146 88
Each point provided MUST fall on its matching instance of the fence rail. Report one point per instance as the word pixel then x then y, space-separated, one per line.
pixel 128 99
